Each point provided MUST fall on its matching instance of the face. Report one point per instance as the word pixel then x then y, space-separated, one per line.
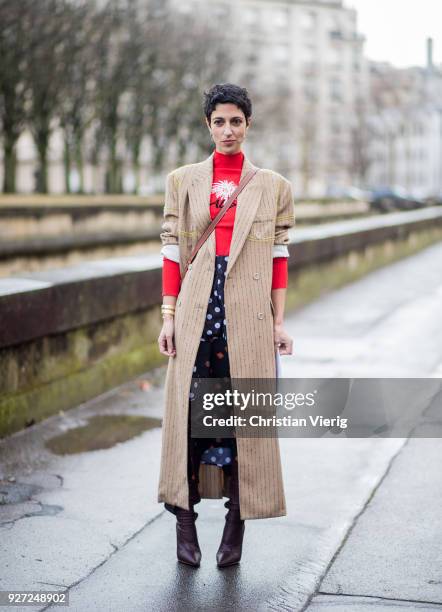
pixel 228 128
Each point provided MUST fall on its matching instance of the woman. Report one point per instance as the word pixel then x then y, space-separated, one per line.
pixel 224 320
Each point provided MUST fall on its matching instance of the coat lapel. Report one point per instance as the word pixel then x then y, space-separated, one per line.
pixel 247 205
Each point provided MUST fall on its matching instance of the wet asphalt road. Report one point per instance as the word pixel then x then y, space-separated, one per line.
pixel 364 526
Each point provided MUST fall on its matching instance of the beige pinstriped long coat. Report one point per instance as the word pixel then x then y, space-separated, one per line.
pixel 264 212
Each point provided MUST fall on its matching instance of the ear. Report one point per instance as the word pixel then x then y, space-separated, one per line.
pixel 207 123
pixel 250 122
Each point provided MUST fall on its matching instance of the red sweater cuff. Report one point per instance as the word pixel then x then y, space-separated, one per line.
pixel 171 277
pixel 280 273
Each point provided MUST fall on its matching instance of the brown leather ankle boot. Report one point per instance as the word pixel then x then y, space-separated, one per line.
pixel 188 550
pixel 230 549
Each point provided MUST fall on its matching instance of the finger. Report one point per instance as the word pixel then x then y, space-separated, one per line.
pixel 162 344
pixel 170 347
pixel 285 349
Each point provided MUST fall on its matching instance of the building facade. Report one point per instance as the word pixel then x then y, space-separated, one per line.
pixel 406 128
pixel 304 63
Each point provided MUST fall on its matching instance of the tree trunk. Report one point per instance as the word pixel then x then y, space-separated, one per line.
pixel 112 173
pixel 42 169
pixel 67 163
pixel 9 164
pixel 136 164
pixel 79 161
pixel 182 149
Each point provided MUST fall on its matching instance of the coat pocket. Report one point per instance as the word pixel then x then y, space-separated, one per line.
pixel 262 230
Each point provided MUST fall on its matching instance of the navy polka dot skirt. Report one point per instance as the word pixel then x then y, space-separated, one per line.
pixel 212 361
pixel 215 323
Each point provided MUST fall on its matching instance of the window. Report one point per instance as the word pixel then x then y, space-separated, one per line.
pixel 308 20
pixel 336 34
pixel 308 53
pixel 281 53
pixel 251 16
pixel 280 17
pixel 336 92
pixel 333 57
pixel 310 92
pixel 252 57
pixel 184 7
pixel 335 24
pixel 220 10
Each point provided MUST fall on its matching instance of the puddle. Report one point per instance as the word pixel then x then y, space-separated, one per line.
pixel 16 492
pixel 101 432
pixel 17 501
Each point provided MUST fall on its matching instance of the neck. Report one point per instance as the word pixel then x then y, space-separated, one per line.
pixel 228 154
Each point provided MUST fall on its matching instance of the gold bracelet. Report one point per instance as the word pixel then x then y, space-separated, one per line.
pixel 167 310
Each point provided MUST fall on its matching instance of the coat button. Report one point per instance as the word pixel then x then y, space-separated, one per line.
pixel 260 315
pixel 258 234
pixel 190 266
pixel 256 275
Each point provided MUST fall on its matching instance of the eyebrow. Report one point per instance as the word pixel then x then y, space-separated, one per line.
pixel 238 117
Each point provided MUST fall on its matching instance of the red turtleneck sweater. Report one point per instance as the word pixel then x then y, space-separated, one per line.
pixel 226 176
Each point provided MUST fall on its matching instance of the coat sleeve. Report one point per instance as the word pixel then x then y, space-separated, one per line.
pixel 285 217
pixel 169 234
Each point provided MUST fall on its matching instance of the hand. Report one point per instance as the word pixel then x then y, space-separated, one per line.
pixel 166 338
pixel 282 340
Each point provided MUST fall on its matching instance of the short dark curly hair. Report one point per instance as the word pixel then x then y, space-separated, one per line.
pixel 224 93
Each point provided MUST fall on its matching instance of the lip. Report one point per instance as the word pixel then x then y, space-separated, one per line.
pixel 228 141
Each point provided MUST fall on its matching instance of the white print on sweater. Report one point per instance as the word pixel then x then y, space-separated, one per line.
pixel 223 189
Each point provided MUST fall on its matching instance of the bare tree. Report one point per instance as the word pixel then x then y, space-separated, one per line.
pixel 177 58
pixel 361 138
pixel 305 115
pixel 272 112
pixel 76 109
pixel 200 59
pixel 13 86
pixel 116 72
pixel 48 26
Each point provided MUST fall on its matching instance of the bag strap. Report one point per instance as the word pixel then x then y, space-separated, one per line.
pixel 244 181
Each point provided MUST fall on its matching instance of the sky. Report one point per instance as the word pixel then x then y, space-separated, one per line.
pixel 396 30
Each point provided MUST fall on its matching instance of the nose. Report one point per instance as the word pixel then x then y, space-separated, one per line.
pixel 227 130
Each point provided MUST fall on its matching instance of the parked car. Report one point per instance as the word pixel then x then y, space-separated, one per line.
pixel 390 200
